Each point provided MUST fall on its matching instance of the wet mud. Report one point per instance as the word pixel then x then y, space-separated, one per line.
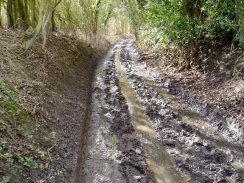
pixel 197 147
pixel 137 131
pixel 111 153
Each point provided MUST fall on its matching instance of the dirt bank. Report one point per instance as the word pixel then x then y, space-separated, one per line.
pixel 43 100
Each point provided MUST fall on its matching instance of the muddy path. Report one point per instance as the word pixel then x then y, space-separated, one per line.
pixel 138 132
pixel 110 153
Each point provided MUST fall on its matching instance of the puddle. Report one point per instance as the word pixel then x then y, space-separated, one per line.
pixel 158 160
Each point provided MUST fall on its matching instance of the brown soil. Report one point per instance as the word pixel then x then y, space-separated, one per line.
pixel 48 92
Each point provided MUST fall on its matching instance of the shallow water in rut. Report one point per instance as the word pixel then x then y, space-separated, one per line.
pixel 138 132
pixel 158 159
pixel 205 130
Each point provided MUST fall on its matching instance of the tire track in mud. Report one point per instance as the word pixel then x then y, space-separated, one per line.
pixel 110 152
pixel 157 157
pixel 194 155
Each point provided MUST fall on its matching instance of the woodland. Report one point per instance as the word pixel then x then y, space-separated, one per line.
pixel 189 26
pixel 50 51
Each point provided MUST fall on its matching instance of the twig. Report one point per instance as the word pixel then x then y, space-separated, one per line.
pixel 48 152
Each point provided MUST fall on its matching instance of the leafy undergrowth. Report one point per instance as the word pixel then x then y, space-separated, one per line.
pixel 42 103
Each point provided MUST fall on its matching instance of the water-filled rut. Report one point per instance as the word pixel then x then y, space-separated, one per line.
pixel 158 159
pixel 198 148
pixel 138 132
pixel 111 152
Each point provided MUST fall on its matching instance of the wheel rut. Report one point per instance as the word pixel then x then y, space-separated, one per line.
pixel 111 152
pixel 157 157
pixel 137 132
pixel 196 147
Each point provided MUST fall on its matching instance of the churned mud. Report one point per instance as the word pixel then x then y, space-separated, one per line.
pixel 111 152
pixel 137 131
pixel 203 152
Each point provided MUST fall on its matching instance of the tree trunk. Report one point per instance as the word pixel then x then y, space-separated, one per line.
pixel 22 13
pixel 54 28
pixel 56 3
pixel 1 14
pixel 32 12
pixel 15 12
pixel 10 13
pixel 42 25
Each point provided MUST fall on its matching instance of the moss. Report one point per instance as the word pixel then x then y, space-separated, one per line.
pixel 15 111
pixel 9 103
pixel 8 90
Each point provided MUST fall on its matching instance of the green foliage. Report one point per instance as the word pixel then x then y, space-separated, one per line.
pixel 86 18
pixel 193 22
pixel 219 20
pixel 9 104
pixel 135 15
pixel 5 179
pixel 26 161
pixel 20 160
pixel 18 156
pixel 16 111
pixel 30 31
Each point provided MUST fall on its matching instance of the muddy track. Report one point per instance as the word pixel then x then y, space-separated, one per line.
pixel 204 156
pixel 137 132
pixel 110 152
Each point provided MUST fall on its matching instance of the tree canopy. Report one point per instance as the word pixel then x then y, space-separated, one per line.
pixel 88 17
pixel 190 25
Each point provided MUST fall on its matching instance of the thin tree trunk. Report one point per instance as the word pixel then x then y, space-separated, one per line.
pixel 54 28
pixel 15 12
pixel 32 12
pixel 1 13
pixel 42 23
pixel 56 3
pixel 10 13
pixel 23 14
pixel 26 13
